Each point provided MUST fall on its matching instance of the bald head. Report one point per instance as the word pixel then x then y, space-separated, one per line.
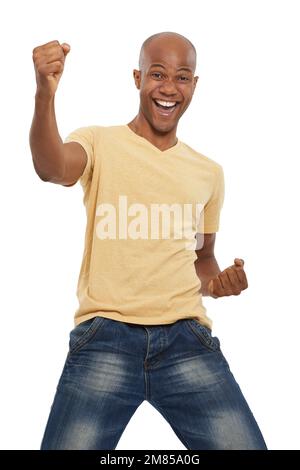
pixel 167 41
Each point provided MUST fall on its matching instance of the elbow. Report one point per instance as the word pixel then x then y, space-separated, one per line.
pixel 50 179
pixel 43 177
pixel 48 176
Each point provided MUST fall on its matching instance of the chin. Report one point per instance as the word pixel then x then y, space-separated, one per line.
pixel 164 126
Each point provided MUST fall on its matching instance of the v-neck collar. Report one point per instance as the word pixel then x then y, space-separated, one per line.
pixel 146 141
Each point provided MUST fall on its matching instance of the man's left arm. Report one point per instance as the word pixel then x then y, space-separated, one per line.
pixel 214 282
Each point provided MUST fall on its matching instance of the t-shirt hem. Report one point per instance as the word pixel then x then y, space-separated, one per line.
pixel 144 320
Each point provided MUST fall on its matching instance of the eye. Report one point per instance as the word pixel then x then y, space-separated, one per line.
pixel 156 73
pixel 159 75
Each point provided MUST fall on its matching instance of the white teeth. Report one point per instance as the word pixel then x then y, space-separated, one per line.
pixel 166 103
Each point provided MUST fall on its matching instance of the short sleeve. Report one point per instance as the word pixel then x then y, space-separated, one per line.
pixel 212 209
pixel 85 137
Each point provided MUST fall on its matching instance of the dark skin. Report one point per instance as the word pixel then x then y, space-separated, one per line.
pixel 214 282
pixel 169 82
pixel 166 83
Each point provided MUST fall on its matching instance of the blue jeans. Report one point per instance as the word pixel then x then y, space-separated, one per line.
pixel 113 366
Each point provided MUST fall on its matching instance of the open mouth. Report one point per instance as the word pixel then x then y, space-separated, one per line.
pixel 165 110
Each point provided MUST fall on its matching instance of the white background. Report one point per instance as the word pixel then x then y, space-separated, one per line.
pixel 244 114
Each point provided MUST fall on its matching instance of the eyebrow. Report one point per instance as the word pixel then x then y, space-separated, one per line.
pixel 180 68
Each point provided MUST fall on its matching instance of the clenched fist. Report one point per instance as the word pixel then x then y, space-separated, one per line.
pixel 49 60
pixel 231 281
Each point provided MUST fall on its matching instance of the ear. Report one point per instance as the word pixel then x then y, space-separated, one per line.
pixel 137 78
pixel 195 81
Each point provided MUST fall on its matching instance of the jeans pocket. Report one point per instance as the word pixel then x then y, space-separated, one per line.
pixel 204 335
pixel 83 333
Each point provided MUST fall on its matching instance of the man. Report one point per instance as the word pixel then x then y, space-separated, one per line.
pixel 153 205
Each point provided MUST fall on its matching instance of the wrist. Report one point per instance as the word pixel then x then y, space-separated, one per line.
pixel 204 288
pixel 44 97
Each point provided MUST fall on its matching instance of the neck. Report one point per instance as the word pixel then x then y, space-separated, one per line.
pixel 160 139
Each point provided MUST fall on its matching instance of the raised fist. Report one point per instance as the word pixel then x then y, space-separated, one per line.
pixel 49 60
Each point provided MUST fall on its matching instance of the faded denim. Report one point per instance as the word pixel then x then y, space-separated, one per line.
pixel 112 367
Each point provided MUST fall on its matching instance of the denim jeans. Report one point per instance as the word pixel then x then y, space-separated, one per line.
pixel 113 366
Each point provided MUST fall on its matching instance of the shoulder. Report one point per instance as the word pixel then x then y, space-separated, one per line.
pixel 106 132
pixel 209 162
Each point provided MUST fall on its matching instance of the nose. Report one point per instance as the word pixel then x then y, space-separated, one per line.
pixel 168 88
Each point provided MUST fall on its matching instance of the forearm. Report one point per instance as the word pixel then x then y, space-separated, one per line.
pixel 206 269
pixel 45 142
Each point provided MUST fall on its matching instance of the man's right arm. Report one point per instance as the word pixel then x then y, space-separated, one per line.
pixel 53 160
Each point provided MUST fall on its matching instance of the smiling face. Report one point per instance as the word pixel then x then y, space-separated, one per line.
pixel 167 77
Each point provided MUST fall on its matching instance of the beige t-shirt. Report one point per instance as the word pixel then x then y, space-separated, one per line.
pixel 143 208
